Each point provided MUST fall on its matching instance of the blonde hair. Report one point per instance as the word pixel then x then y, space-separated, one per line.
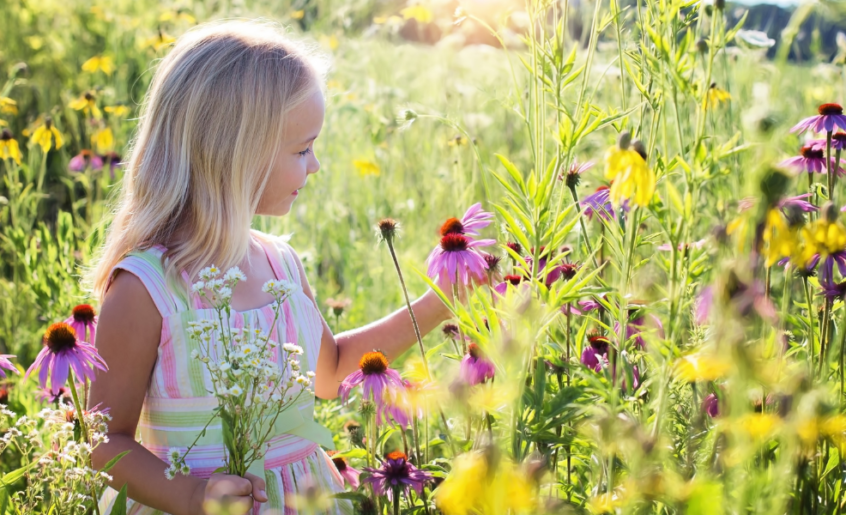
pixel 211 123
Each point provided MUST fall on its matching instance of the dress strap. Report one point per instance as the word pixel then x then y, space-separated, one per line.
pixel 279 254
pixel 147 266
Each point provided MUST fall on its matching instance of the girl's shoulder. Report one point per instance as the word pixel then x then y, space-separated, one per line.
pixel 289 257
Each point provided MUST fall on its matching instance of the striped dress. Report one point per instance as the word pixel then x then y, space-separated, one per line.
pixel 178 404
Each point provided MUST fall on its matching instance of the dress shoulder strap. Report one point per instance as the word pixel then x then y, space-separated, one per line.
pixel 147 266
pixel 285 262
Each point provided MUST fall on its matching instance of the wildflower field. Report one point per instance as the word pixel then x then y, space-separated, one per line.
pixel 652 206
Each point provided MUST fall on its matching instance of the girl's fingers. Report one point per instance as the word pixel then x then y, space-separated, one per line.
pixel 258 487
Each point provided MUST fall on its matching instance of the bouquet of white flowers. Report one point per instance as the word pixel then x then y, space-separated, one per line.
pixel 251 388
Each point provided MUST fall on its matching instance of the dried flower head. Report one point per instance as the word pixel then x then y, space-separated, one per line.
pixel 387 228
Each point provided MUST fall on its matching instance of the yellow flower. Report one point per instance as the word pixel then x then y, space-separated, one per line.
pixel 330 41
pixel 605 503
pixel 298 15
pixel 158 42
pixel 176 16
pixel 366 167
pixel 118 110
pixel 781 240
pixel 9 148
pixel 824 236
pixel 631 176
pixel 419 12
pixel 701 367
pixel 8 106
pixel 87 103
pixel 716 96
pixel 103 140
pixel 759 425
pixel 45 134
pixel 457 141
pixel 103 63
pixel 471 488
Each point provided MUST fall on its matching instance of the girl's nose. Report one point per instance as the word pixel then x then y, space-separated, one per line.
pixel 314 165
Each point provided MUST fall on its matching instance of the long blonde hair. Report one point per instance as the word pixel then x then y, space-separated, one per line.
pixel 211 123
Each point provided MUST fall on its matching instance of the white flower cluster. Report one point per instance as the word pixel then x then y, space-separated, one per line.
pixel 62 479
pixel 253 377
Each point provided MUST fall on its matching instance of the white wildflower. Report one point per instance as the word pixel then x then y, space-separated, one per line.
pixel 234 274
pixel 174 454
pixel 293 349
pixel 209 273
pixel 170 472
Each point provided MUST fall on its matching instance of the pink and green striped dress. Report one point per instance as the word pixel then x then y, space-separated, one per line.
pixel 178 403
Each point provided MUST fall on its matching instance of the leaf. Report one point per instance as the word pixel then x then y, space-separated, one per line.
pixel 228 436
pixel 112 462
pixel 513 171
pixel 119 507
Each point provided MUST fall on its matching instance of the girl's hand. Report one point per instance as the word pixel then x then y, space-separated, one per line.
pixel 235 492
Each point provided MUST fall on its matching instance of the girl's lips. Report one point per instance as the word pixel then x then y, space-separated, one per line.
pixel 296 192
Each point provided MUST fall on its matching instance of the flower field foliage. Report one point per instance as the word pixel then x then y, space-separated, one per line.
pixel 640 215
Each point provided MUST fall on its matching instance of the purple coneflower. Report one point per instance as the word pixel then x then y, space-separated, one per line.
pixel 395 475
pixel 572 176
pixel 565 270
pixel 514 246
pixel 85 159
pixel 62 352
pixel 349 473
pixel 711 405
pixel 811 160
pixel 511 279
pixel 599 203
pixel 595 355
pixel 474 219
pixel 475 367
pixel 636 326
pixel 798 201
pixel 375 376
pixel 83 318
pixel 838 142
pixel 53 396
pixel 456 257
pixel 5 363
pixel 829 118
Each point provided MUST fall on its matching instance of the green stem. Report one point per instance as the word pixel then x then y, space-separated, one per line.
pixel 410 310
pixel 80 415
pixel 812 337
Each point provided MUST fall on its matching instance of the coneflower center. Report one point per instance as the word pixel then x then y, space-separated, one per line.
pixel 839 136
pixel 452 226
pixel 568 270
pixel 397 455
pixel 809 152
pixel 474 351
pixel 373 363
pixel 83 312
pixel 829 109
pixel 599 343
pixel 514 279
pixel 340 464
pixel 6 135
pixel 59 337
pixel 453 242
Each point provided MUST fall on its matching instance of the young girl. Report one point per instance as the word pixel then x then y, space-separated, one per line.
pixel 227 133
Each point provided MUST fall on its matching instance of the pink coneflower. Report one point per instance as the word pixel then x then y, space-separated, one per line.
pixel 62 352
pixel 349 473
pixel 573 175
pixel 5 363
pixel 838 142
pixel 475 367
pixel 811 160
pixel 375 376
pixel 565 270
pixel 636 326
pixel 511 279
pixel 456 258
pixel 798 201
pixel 516 247
pixel 54 396
pixel 472 221
pixel 83 317
pixel 829 118
pixel 711 405
pixel 85 159
pixel 395 475
pixel 595 355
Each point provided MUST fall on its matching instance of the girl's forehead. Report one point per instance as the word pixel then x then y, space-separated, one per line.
pixel 306 119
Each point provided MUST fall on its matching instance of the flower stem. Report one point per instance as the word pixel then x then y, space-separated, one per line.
pixel 828 169
pixel 460 332
pixel 80 415
pixel 410 310
pixel 811 337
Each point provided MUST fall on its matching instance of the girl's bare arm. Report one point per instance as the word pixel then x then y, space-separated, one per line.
pixel 393 334
pixel 128 336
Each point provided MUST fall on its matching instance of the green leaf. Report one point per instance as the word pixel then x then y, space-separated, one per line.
pixel 119 507
pixel 112 462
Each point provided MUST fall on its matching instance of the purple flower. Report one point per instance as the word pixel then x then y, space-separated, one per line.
pixel 811 160
pixel 396 474
pixel 475 367
pixel 595 355
pixel 5 363
pixel 682 246
pixel 636 326
pixel 62 352
pixel 349 473
pixel 798 201
pixel 571 178
pixel 838 142
pixel 83 318
pixel 599 202
pixel 456 258
pixel 376 377
pixel 53 396
pixel 512 279
pixel 85 159
pixel 474 219
pixel 743 299
pixel 830 117
pixel 711 405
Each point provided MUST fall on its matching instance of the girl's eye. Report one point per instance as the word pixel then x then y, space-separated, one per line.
pixel 304 152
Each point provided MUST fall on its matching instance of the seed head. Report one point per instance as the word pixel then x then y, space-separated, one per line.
pixel 624 140
pixel 450 331
pixel 373 363
pixel 452 226
pixel 84 313
pixel 492 262
pixel 513 245
pixel 454 242
pixel 830 109
pixel 5 135
pixel 387 229
pixel 809 152
pixel 60 336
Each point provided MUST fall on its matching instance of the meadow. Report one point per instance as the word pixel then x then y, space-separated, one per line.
pixel 669 333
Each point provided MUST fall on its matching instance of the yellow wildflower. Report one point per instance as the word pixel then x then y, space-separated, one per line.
pixel 103 63
pixel 420 13
pixel 631 176
pixel 716 96
pixel 158 42
pixel 701 367
pixel 471 488
pixel 330 41
pixel 118 110
pixel 605 503
pixel 780 237
pixel 457 141
pixel 177 16
pixel 824 236
pixel 103 140
pixel 298 15
pixel 759 425
pixel 44 136
pixel 87 103
pixel 9 148
pixel 366 167
pixel 8 106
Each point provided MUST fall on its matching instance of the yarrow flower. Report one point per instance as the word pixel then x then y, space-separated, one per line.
pixel 378 379
pixel 475 367
pixel 396 475
pixel 830 117
pixel 62 352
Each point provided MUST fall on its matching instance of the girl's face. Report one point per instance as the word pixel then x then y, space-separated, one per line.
pixel 296 159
